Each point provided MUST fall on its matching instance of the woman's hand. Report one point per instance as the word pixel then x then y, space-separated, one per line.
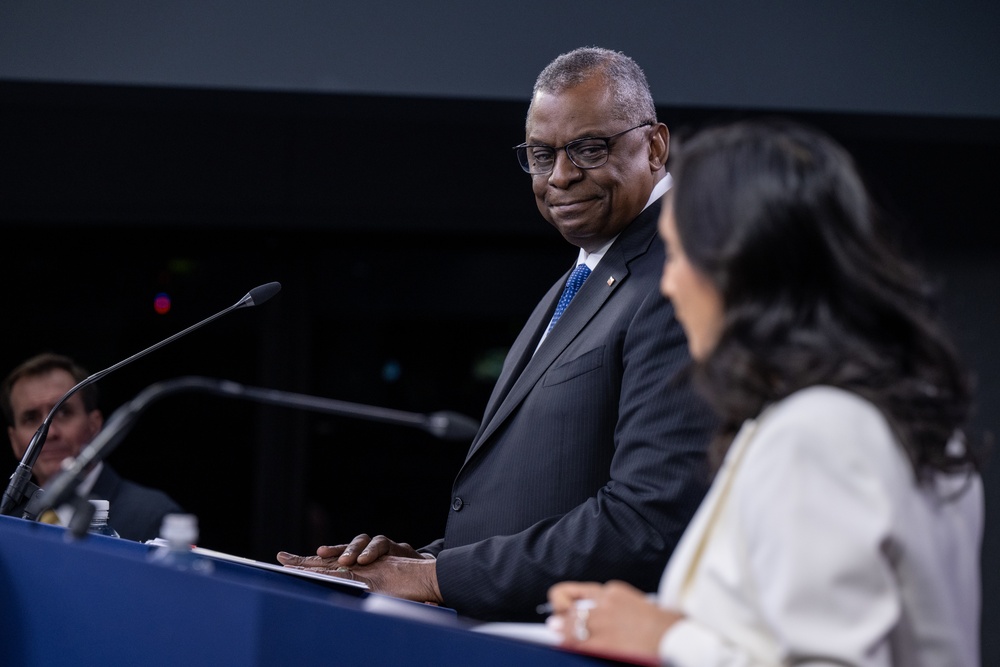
pixel 615 617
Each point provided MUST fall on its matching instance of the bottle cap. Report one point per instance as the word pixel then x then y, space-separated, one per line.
pixel 101 508
pixel 180 528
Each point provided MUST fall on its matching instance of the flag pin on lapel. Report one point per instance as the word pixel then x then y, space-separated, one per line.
pixel 611 281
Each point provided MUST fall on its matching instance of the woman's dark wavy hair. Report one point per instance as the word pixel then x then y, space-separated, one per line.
pixel 775 214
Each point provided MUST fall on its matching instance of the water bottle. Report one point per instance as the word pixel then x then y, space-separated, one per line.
pixel 99 522
pixel 178 533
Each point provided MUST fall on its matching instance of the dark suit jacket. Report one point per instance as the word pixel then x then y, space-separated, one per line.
pixel 591 456
pixel 136 511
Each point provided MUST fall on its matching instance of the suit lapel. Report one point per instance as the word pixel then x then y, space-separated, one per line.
pixel 106 485
pixel 610 274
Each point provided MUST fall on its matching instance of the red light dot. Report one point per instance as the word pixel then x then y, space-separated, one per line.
pixel 161 304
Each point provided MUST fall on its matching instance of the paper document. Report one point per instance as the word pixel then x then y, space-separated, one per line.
pixel 274 567
pixel 539 633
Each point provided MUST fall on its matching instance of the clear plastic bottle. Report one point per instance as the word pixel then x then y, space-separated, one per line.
pixel 99 522
pixel 178 534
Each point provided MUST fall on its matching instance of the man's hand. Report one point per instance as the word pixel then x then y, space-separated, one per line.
pixel 387 567
pixel 364 550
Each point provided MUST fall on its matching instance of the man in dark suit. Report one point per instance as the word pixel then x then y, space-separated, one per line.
pixel 590 458
pixel 28 395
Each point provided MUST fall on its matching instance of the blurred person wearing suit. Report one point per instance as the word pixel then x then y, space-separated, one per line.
pixel 27 396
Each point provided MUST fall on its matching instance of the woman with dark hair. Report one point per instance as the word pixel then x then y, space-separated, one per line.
pixel 845 519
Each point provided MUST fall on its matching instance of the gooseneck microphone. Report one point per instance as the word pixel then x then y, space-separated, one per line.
pixel 20 489
pixel 446 425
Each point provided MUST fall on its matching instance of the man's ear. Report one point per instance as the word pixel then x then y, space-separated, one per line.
pixel 659 146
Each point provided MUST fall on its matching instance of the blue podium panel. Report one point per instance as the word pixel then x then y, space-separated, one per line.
pixel 99 601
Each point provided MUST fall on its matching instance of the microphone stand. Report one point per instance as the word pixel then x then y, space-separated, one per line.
pixel 446 425
pixel 21 489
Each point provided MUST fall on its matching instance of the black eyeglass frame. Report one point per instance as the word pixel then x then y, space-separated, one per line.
pixel 521 150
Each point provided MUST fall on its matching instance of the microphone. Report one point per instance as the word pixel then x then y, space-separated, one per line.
pixel 20 487
pixel 445 425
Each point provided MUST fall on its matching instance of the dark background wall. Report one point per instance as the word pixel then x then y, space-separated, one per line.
pixel 935 57
pixel 362 158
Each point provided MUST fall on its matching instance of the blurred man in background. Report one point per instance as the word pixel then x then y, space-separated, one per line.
pixel 27 396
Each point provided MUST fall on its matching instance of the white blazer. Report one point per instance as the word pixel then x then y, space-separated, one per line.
pixel 815 546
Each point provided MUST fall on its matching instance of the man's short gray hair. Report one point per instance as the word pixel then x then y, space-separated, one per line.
pixel 633 101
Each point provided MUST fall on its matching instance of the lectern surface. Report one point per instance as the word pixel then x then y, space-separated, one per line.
pixel 99 601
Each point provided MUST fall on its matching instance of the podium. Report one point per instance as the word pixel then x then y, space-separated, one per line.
pixel 99 601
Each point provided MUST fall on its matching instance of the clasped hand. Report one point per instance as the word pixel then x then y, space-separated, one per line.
pixel 391 568
pixel 616 618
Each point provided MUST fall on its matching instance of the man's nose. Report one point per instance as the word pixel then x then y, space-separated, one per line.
pixel 564 171
pixel 55 431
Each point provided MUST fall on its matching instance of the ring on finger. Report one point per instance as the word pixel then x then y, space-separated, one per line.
pixel 580 630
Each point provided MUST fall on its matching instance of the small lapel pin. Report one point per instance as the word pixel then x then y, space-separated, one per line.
pixel 611 281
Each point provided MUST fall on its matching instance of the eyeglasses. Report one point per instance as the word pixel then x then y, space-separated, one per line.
pixel 585 153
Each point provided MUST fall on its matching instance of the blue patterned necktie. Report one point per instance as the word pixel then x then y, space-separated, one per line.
pixel 576 279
